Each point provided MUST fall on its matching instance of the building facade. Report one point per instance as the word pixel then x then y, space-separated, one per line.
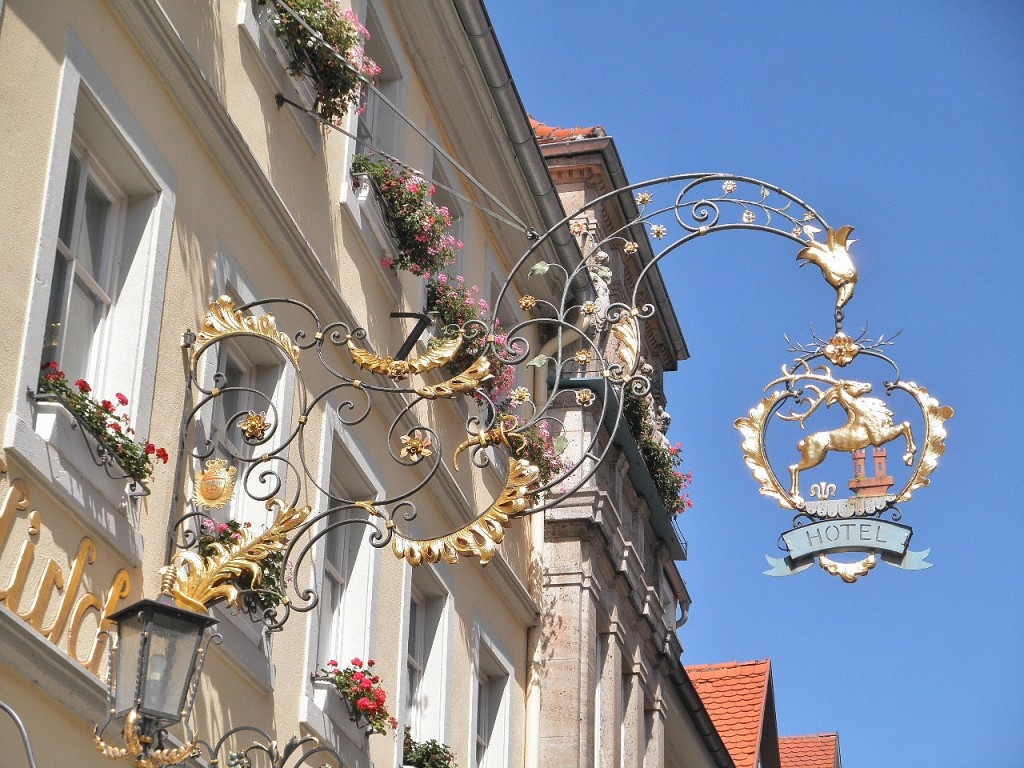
pixel 149 168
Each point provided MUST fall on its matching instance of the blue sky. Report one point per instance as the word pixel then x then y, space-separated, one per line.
pixel 905 120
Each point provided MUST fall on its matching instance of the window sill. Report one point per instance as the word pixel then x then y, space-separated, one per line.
pixel 54 452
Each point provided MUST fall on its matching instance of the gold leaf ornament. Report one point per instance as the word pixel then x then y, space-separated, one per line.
pixel 934 443
pixel 467 381
pixel 751 429
pixel 440 353
pixel 196 582
pixel 481 537
pixel 223 321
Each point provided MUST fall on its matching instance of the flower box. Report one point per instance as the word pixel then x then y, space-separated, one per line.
pixel 106 431
pixel 76 449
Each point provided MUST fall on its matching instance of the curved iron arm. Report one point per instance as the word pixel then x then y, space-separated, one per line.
pixel 471 356
pixel 21 730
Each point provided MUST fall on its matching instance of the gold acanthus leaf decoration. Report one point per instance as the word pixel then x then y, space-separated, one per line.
pixel 934 442
pixel 440 353
pixel 481 537
pixel 503 434
pixel 467 381
pixel 224 320
pixel 196 582
pixel 752 428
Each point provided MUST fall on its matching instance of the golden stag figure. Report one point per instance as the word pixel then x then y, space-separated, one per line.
pixel 868 421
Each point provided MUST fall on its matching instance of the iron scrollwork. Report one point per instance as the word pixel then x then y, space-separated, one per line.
pixel 576 342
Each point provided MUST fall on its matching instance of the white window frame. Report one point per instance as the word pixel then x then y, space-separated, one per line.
pixel 493 673
pixel 321 711
pixel 427 714
pixel 377 124
pixel 38 437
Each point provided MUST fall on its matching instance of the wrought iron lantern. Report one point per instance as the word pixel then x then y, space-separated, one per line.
pixel 158 646
pixel 153 678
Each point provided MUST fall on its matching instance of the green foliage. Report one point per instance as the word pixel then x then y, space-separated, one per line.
pixel 662 463
pixel 113 430
pixel 427 754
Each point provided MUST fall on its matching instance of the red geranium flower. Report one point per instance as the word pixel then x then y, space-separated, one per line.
pixel 121 399
pixel 83 386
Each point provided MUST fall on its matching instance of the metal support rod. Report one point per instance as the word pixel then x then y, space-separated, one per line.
pixel 22 731
pixel 423 322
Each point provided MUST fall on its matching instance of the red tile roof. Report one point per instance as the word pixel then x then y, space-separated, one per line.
pixel 818 751
pixel 735 695
pixel 548 134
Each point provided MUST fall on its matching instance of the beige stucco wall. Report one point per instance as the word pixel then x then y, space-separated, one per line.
pixel 294 233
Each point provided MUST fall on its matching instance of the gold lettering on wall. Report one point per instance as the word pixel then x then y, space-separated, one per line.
pixel 81 615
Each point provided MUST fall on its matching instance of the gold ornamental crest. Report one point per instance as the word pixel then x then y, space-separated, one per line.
pixel 214 485
pixel 841 428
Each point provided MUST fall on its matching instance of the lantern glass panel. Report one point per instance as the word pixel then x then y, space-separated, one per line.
pixel 173 642
pixel 129 645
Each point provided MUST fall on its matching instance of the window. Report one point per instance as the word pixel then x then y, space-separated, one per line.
pixel 443 198
pixel 378 126
pixel 104 239
pixel 601 651
pixel 254 381
pixel 425 657
pixel 98 288
pixel 343 611
pixel 415 660
pixel 83 271
pixel 491 749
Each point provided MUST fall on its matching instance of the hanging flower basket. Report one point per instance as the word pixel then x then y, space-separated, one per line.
pixel 325 44
pixel 106 424
pixel 419 227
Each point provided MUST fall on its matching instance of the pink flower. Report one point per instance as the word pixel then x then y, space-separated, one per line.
pixel 357 662
pixel 121 399
pixel 332 663
pixel 387 262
